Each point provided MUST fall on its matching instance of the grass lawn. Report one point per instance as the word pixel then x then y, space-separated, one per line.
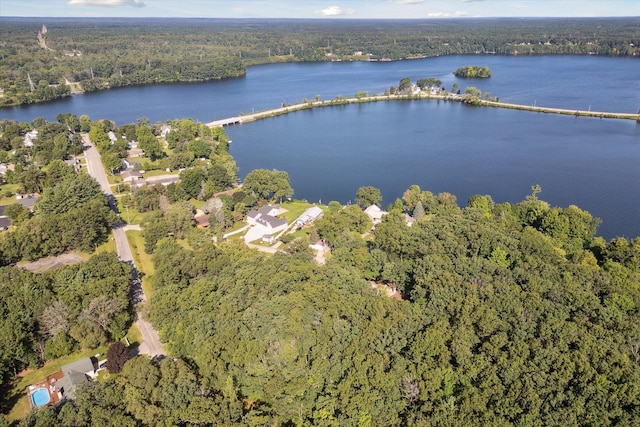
pixel 13 188
pixel 296 208
pixel 133 335
pixel 15 403
pixel 108 246
pixel 114 179
pixel 198 204
pixel 158 172
pixel 304 233
pixel 142 259
pixel 130 214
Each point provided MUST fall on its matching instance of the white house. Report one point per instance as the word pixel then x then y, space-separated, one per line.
pixel 375 213
pixel 264 222
pixel 29 138
pixel 164 130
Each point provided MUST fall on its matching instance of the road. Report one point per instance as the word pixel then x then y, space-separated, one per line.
pixel 452 97
pixel 151 344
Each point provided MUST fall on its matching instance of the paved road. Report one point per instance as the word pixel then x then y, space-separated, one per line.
pixel 151 344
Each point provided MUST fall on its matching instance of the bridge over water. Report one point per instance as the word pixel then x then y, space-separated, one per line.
pixel 226 122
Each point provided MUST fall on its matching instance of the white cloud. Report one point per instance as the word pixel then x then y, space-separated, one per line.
pixel 409 1
pixel 107 3
pixel 446 14
pixel 334 11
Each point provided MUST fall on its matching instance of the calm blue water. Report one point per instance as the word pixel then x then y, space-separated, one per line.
pixel 608 84
pixel 329 153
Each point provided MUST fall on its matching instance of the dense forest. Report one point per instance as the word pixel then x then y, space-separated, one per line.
pixel 43 62
pixel 510 314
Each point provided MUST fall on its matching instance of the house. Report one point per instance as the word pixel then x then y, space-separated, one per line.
pixel 136 152
pixel 74 374
pixel 130 176
pixel 264 211
pixel 112 137
pixel 29 138
pixel 202 221
pixel 265 222
pixel 266 217
pixel 27 201
pixel 165 180
pixel 409 220
pixel 308 216
pixel 268 238
pixel 375 213
pixel 74 163
pixel 131 165
pixel 164 130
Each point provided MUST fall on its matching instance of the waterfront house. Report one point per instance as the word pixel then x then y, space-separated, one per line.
pixel 375 213
pixel 265 222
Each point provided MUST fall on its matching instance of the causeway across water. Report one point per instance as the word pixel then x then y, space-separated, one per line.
pixel 245 118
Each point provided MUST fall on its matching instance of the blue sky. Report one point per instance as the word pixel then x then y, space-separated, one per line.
pixel 354 9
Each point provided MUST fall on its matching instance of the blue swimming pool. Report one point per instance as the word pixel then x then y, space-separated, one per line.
pixel 40 397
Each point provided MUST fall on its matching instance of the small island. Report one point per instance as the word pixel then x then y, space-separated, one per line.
pixel 473 72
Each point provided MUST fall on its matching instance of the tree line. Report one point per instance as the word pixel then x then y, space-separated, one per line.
pixel 86 55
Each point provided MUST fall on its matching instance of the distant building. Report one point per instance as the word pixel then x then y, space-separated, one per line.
pixel 202 221
pixel 164 130
pixel 136 152
pixel 409 220
pixel 27 200
pixel 29 138
pixel 375 213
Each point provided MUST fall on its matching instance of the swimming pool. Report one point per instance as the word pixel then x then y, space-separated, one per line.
pixel 40 397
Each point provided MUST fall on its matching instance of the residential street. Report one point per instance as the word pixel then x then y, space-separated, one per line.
pixel 151 344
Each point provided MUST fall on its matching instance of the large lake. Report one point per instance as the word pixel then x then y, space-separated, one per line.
pixel 330 152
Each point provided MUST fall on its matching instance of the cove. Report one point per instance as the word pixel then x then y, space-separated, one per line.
pixel 451 147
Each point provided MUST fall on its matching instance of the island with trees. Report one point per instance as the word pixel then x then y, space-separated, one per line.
pixel 472 72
